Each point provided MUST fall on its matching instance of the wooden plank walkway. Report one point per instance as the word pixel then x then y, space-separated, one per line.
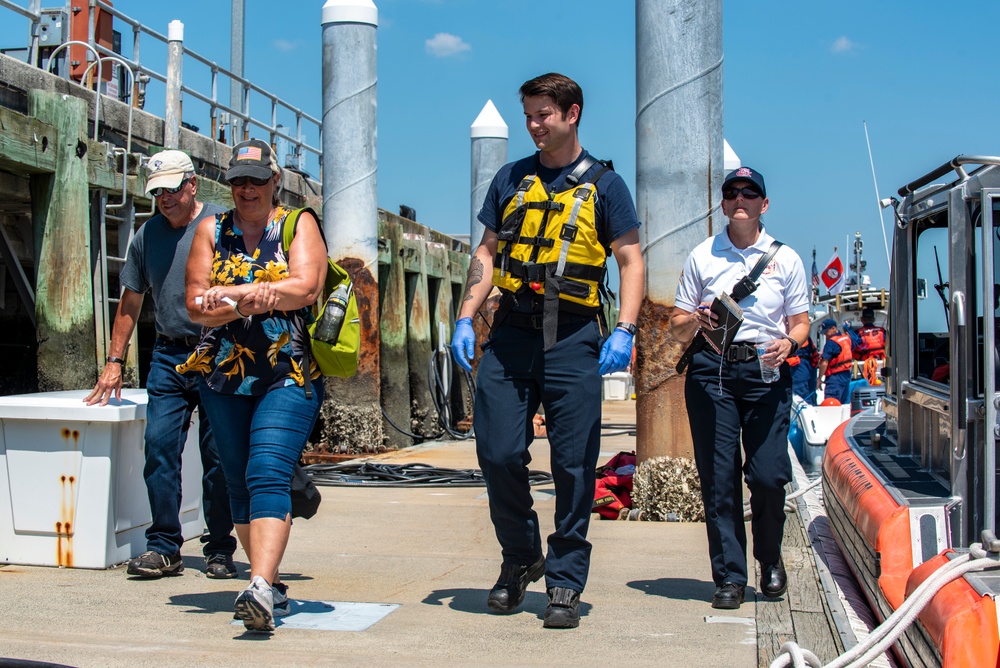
pixel 803 613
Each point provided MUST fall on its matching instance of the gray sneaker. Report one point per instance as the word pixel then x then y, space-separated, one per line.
pixel 150 565
pixel 255 606
pixel 279 593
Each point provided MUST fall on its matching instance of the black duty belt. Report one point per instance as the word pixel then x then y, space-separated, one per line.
pixel 535 320
pixel 179 341
pixel 741 352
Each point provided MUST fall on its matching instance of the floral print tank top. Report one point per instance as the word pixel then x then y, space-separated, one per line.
pixel 262 352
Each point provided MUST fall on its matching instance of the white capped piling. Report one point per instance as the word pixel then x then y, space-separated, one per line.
pixel 489 153
pixel 679 169
pixel 350 204
pixel 175 62
pixel 352 416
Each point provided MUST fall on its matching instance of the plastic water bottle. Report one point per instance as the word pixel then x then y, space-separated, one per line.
pixel 768 373
pixel 328 328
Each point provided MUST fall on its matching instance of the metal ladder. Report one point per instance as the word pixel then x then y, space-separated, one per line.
pixel 120 221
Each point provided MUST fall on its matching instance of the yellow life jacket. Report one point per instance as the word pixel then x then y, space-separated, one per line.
pixel 549 240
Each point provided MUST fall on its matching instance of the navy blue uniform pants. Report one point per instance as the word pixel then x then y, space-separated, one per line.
pixel 515 376
pixel 838 386
pixel 804 382
pixel 728 403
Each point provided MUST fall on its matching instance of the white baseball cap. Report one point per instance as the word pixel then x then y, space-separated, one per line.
pixel 167 169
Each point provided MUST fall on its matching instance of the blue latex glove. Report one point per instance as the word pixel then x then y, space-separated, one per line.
pixel 616 352
pixel 463 344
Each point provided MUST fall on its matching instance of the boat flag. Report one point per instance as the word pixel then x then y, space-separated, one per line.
pixel 833 275
pixel 815 271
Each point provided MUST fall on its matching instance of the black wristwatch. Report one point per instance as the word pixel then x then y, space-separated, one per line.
pixel 628 327
pixel 795 345
pixel 116 360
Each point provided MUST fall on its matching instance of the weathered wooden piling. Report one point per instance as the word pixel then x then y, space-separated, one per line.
pixel 423 416
pixel 392 324
pixel 64 307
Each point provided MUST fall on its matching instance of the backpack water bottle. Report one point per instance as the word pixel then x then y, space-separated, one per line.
pixel 328 328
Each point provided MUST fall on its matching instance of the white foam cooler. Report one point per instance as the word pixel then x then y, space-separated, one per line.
pixel 71 487
pixel 615 386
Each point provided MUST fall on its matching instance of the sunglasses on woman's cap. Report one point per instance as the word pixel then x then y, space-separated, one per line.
pixel 733 193
pixel 157 192
pixel 241 180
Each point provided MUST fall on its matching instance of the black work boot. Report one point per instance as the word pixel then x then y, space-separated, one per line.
pixel 728 596
pixel 564 609
pixel 773 580
pixel 508 592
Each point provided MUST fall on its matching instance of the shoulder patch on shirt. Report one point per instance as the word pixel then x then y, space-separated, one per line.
pixel 771 268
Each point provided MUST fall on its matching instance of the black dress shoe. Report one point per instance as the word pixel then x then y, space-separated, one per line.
pixel 773 580
pixel 564 609
pixel 508 592
pixel 728 596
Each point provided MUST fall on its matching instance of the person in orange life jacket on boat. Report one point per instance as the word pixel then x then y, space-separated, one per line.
pixel 729 403
pixel 551 220
pixel 870 341
pixel 835 363
pixel 803 367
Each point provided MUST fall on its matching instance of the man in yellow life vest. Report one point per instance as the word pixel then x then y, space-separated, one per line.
pixel 551 220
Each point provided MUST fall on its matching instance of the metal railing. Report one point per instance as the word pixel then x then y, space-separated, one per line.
pixel 221 114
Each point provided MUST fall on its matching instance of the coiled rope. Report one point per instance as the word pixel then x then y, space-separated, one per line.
pixel 376 474
pixel 882 637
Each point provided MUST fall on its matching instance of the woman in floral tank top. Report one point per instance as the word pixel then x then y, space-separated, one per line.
pixel 254 305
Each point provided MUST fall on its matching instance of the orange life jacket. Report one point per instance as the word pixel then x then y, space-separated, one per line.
pixel 807 349
pixel 872 343
pixel 843 361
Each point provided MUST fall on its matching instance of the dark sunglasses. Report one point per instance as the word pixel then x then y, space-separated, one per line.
pixel 159 192
pixel 733 193
pixel 241 180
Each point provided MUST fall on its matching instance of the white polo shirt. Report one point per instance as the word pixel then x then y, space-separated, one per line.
pixel 715 266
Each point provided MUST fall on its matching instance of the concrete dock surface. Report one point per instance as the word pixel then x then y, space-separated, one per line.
pixel 430 551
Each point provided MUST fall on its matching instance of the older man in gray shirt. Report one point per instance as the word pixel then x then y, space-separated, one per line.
pixel 155 261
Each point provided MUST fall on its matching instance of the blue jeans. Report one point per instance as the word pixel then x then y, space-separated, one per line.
pixel 260 440
pixel 172 400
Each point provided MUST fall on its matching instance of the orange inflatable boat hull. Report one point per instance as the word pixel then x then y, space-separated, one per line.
pixel 961 623
pixel 884 523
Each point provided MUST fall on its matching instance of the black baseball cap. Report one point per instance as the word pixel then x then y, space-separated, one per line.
pixel 868 312
pixel 253 158
pixel 746 174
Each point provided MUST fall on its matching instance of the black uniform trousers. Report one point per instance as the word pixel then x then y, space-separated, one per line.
pixel 515 375
pixel 727 402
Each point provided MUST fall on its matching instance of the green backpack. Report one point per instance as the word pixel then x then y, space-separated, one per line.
pixel 340 359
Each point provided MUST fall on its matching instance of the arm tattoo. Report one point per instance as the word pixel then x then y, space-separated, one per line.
pixel 475 277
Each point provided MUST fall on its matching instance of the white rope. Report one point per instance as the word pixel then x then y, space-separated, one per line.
pixel 790 505
pixel 896 624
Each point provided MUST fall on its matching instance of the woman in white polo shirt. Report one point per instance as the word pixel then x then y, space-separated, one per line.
pixel 728 401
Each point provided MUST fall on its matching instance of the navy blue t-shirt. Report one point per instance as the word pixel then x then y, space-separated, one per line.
pixel 614 207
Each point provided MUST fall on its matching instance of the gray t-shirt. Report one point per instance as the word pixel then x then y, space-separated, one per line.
pixel 156 260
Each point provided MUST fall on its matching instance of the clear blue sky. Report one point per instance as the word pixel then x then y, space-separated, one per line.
pixel 799 80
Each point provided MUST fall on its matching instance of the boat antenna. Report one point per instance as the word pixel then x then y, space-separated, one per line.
pixel 878 205
pixel 815 280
